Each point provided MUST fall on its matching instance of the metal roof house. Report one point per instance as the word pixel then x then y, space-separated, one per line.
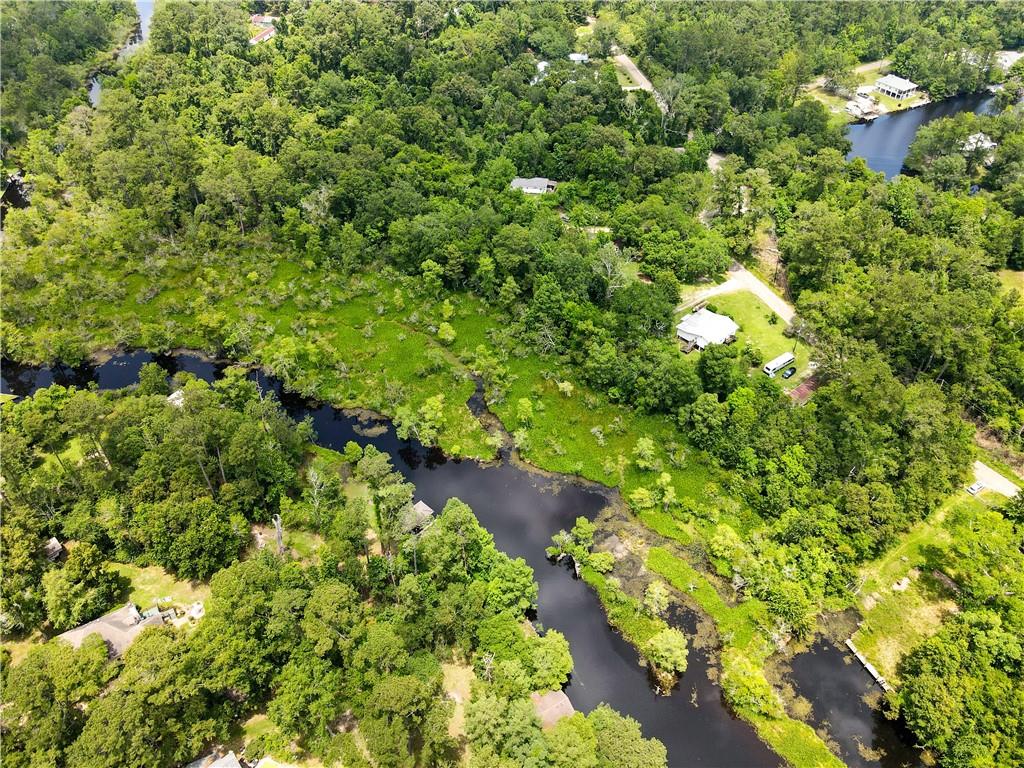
pixel 418 518
pixel 535 186
pixel 704 327
pixel 118 628
pixel 896 87
pixel 551 707
pixel 579 58
pixel 53 549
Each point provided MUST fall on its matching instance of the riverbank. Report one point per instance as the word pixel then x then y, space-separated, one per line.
pixel 522 510
pixel 372 341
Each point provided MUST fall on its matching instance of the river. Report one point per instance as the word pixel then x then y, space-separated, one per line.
pixel 522 509
pixel 885 141
pixel 139 35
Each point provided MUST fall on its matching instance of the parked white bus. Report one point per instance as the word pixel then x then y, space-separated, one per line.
pixel 774 366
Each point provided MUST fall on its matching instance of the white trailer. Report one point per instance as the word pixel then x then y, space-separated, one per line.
pixel 777 364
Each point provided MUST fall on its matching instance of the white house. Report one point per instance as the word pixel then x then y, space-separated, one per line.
pixel 897 87
pixel 704 327
pixel 981 144
pixel 579 58
pixel 542 71
pixel 535 186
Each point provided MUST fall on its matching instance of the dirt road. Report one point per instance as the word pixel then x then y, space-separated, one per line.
pixel 639 78
pixel 992 480
pixel 742 279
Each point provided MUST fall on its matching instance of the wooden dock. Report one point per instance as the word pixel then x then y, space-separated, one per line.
pixel 869 667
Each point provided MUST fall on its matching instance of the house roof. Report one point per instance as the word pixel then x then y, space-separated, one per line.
pixel 551 707
pixel 896 83
pixel 419 517
pixel 531 183
pixel 212 760
pixel 265 34
pixel 979 141
pixel 706 327
pixel 118 628
pixel 579 57
pixel 53 548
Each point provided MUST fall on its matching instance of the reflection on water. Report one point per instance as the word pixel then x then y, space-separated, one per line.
pixel 885 141
pixel 836 685
pixel 522 510
pixel 139 35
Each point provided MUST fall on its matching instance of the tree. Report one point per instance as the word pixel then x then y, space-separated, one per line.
pixel 667 650
pixel 46 696
pixel 511 585
pixel 620 743
pixel 571 743
pixel 552 662
pixel 80 591
pixel 656 597
pixel 745 685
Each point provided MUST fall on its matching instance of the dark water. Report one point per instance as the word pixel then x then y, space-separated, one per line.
pixel 522 510
pixel 139 35
pixel 836 683
pixel 14 194
pixel 885 141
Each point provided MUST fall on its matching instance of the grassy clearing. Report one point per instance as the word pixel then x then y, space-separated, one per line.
pixel 896 620
pixel 756 329
pixel 19 648
pixel 153 584
pixel 1012 279
pixel 457 682
pixel 259 726
pixel 740 627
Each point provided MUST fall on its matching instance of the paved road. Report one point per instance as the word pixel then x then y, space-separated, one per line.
pixel 742 279
pixel 992 480
pixel 639 78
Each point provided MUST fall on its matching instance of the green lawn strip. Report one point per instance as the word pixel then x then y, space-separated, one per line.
pixel 739 627
pixel 895 621
pixel 149 587
pixel 796 742
pixel 752 315
pixel 1011 279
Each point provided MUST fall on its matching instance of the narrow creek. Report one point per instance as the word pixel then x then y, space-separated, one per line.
pixel 522 509
pixel 139 35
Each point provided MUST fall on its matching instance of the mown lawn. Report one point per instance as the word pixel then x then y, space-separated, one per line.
pixel 1011 278
pixel 896 620
pixel 151 585
pixel 757 329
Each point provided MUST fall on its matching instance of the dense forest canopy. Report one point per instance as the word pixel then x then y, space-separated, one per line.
pixel 334 204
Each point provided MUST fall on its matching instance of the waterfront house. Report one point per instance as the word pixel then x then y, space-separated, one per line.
pixel 704 327
pixel 551 707
pixel 981 144
pixel 418 518
pixel 535 186
pixel 896 87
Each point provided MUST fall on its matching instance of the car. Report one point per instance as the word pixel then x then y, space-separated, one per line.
pixel 788 373
pixel 975 488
